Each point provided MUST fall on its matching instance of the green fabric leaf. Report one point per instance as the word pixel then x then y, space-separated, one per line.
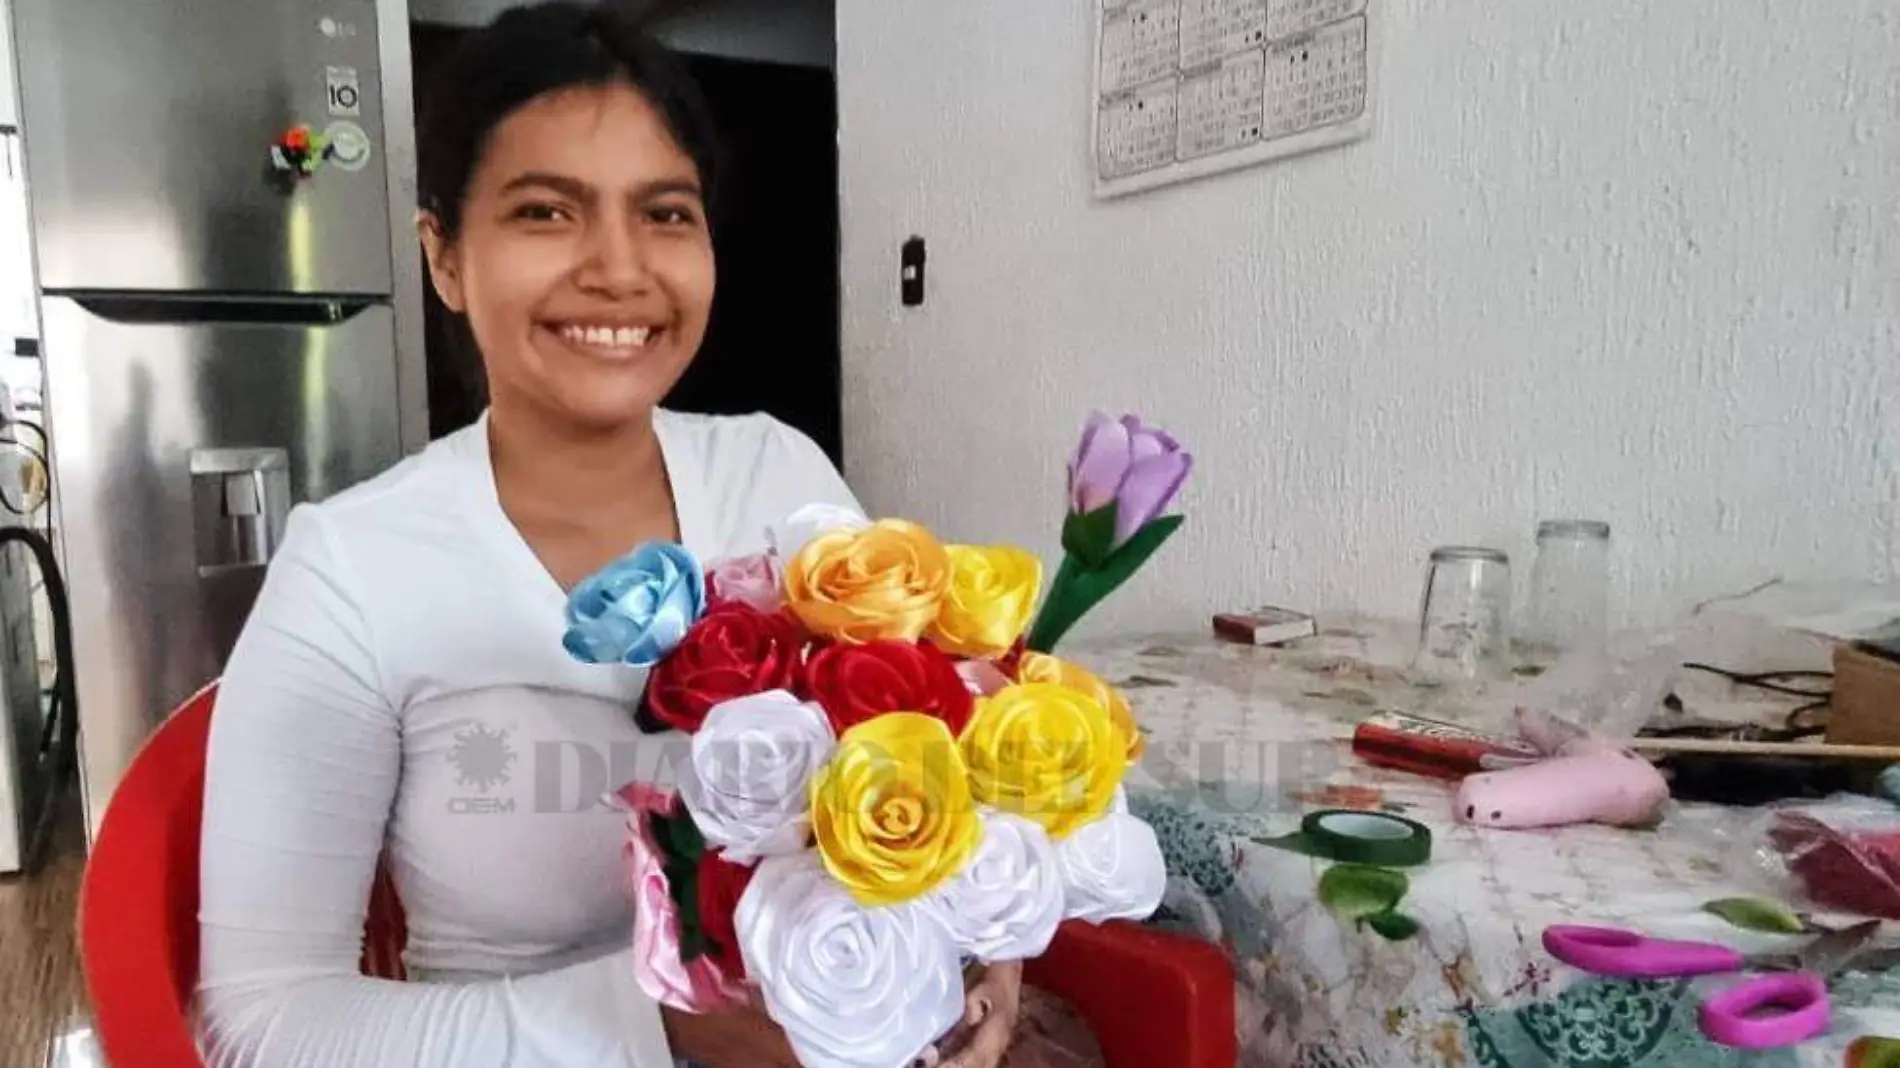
pixel 680 844
pixel 678 836
pixel 1873 1052
pixel 687 902
pixel 692 844
pixel 683 879
pixel 1356 891
pixel 680 875
pixel 1061 609
pixel 1088 536
pixel 682 885
pixel 1078 587
pixel 1136 551
pixel 1756 914
pixel 662 827
pixel 1393 926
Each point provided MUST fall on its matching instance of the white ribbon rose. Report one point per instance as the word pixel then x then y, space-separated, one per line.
pixel 1007 901
pixel 747 779
pixel 1111 870
pixel 790 534
pixel 853 987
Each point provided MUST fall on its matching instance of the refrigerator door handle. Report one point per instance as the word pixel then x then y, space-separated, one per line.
pixel 140 309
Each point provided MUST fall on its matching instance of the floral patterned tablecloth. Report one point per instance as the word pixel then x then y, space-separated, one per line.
pixel 1244 741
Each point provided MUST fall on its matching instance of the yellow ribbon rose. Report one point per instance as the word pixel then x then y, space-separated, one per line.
pixel 1045 752
pixel 891 810
pixel 1041 667
pixel 991 596
pixel 884 581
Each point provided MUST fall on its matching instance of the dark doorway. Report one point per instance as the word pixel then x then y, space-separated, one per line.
pixel 773 344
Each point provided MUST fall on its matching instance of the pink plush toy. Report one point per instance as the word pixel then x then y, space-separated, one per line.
pixel 1585 780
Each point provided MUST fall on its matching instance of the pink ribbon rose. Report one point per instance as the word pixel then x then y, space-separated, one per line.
pixel 752 580
pixel 699 986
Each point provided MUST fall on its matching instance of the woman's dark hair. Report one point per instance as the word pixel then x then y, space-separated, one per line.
pixel 539 48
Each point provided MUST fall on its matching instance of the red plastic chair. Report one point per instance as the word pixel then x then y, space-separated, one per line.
pixel 1153 1000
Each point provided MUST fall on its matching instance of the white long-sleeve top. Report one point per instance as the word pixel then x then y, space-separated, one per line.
pixel 401 685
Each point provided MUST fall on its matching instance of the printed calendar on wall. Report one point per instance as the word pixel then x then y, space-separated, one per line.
pixel 1187 88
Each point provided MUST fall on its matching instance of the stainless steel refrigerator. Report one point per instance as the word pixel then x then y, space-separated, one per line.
pixel 220 326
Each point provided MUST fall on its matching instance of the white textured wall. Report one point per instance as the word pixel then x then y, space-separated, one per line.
pixel 1628 259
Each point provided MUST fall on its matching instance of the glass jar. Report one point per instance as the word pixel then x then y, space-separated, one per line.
pixel 1464 618
pixel 1570 586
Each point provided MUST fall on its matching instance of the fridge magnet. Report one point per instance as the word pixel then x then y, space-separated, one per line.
pixel 297 154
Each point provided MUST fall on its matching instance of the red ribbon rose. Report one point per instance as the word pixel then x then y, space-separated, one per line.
pixel 733 651
pixel 721 884
pixel 854 683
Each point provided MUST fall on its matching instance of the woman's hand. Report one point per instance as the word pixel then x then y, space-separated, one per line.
pixel 745 1037
pixel 739 1037
pixel 991 1005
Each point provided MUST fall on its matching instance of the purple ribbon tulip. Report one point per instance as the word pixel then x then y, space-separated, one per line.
pixel 1138 467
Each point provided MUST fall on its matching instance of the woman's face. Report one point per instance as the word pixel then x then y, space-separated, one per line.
pixel 584 264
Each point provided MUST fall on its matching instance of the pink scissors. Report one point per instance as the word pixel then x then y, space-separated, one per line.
pixel 1765 1012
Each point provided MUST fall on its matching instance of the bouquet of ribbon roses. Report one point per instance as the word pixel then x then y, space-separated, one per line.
pixel 886 778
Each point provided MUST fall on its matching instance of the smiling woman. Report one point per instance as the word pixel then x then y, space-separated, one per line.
pixel 410 628
pixel 582 258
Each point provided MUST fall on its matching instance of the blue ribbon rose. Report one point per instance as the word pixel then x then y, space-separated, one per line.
pixel 636 610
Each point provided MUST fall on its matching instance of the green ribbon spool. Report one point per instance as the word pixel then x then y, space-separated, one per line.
pixel 1348 836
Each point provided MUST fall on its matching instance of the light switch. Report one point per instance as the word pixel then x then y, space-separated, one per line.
pixel 911 272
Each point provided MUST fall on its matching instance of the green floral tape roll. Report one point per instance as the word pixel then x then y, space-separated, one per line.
pixel 1353 837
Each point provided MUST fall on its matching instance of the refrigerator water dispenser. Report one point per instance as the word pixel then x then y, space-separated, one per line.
pixel 240 500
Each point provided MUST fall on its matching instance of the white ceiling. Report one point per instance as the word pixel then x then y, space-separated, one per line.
pixel 801 32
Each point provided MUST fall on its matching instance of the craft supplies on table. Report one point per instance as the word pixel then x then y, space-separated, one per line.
pixel 1266 625
pixel 1442 750
pixel 1593 785
pixel 1246 743
pixel 1783 1008
pixel 1351 837
pixel 1842 856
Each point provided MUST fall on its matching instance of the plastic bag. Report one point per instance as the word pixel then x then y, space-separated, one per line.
pixel 1846 863
pixel 1610 690
pixel 1841 855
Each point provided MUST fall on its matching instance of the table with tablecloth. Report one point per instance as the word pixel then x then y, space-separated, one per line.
pixel 1242 741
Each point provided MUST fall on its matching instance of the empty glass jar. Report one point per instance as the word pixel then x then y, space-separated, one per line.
pixel 1464 621
pixel 1569 594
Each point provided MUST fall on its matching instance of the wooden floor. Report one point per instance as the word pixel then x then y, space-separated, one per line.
pixel 42 993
